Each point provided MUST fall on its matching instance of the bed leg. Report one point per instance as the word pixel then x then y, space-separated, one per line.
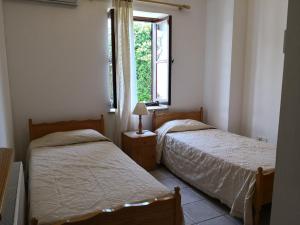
pixel 258 196
pixel 178 210
pixel 257 216
pixel 34 221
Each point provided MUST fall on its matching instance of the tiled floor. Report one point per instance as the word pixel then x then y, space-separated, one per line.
pixel 200 209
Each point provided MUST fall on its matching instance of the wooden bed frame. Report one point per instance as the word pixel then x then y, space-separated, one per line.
pixel 41 129
pixel 162 211
pixel 264 180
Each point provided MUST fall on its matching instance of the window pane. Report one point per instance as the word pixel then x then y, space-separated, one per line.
pixel 143 58
pixel 162 81
pixel 162 41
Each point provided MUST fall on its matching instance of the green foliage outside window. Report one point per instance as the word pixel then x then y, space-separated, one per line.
pixel 143 58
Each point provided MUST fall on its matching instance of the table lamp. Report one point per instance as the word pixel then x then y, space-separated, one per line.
pixel 140 110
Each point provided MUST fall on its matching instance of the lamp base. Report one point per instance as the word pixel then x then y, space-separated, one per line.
pixel 140 131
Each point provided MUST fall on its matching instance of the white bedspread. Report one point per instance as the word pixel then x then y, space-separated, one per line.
pixel 220 164
pixel 176 126
pixel 69 181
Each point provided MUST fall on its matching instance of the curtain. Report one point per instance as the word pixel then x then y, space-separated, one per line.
pixel 125 67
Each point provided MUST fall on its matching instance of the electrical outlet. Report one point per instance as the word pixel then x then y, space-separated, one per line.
pixel 262 139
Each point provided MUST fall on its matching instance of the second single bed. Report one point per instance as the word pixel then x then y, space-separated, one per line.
pixel 236 170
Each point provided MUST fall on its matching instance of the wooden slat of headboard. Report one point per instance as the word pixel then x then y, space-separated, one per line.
pixel 39 130
pixel 159 118
pixel 6 159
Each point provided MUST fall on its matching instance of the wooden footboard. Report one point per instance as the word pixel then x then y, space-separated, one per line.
pixel 164 211
pixel 263 192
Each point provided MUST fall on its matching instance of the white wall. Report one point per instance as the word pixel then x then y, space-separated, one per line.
pixel 263 68
pixel 244 65
pixel 286 197
pixel 6 127
pixel 237 65
pixel 218 50
pixel 57 60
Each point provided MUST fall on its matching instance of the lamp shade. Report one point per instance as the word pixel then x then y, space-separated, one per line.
pixel 140 109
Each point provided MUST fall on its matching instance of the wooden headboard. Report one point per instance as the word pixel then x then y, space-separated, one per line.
pixel 159 118
pixel 39 130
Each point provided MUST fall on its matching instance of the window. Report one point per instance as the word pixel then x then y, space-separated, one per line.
pixel 112 60
pixel 152 40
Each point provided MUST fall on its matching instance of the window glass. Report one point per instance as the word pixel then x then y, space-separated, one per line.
pixel 162 81
pixel 143 59
pixel 162 61
pixel 162 33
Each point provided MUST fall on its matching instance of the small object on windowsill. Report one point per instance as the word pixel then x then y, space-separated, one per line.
pixel 158 108
pixel 156 103
pixel 140 110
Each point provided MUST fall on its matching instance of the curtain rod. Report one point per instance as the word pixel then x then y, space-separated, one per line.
pixel 179 6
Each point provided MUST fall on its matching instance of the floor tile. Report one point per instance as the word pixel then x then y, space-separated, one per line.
pixel 214 203
pixel 222 220
pixel 188 220
pixel 188 195
pixel 200 211
pixel 161 173
pixel 234 220
pixel 172 182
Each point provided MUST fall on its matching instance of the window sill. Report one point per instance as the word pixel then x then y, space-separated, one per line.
pixel 150 108
pixel 158 108
pixel 112 110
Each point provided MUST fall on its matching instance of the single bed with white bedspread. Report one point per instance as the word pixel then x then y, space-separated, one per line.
pixel 219 163
pixel 81 177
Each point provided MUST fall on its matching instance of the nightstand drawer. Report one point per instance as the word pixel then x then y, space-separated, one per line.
pixel 150 141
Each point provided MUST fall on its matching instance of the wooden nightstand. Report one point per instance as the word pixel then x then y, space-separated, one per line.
pixel 140 147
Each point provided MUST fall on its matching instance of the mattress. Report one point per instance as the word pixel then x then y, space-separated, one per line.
pixel 219 163
pixel 74 180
